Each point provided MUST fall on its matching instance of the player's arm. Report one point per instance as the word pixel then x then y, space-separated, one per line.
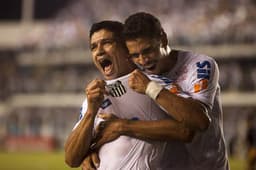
pixel 184 110
pixel 187 110
pixel 112 127
pixel 78 142
pixel 159 130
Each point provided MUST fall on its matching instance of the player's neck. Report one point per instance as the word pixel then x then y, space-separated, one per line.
pixel 128 68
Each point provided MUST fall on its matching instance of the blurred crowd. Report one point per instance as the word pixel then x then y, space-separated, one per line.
pixel 59 79
pixel 38 122
pixel 235 75
pixel 186 22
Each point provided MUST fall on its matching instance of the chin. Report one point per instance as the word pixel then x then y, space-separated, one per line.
pixel 152 70
pixel 110 77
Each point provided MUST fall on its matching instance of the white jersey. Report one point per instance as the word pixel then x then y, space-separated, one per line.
pixel 198 76
pixel 129 153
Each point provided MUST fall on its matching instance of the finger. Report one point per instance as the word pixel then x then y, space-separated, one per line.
pixel 131 82
pixel 95 92
pixel 101 125
pixel 137 71
pixel 95 159
pixel 100 83
pixel 97 144
pixel 96 84
pixel 106 116
pixel 97 130
pixel 88 164
pixel 88 89
pixel 131 77
pixel 91 85
pixel 95 98
pixel 98 141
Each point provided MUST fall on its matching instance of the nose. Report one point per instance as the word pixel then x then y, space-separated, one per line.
pixel 100 50
pixel 143 59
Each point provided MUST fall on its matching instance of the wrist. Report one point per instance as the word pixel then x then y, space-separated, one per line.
pixel 153 89
pixel 91 111
pixel 123 127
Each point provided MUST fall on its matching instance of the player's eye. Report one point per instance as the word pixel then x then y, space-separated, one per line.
pixel 93 47
pixel 134 56
pixel 148 50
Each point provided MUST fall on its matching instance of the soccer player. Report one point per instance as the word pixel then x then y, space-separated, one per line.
pixel 196 75
pixel 135 131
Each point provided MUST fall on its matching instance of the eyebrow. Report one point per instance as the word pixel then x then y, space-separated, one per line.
pixel 146 49
pixel 104 39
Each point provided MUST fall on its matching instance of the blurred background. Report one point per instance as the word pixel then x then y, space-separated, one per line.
pixel 45 65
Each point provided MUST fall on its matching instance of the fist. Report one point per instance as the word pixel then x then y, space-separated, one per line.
pixel 138 81
pixel 95 91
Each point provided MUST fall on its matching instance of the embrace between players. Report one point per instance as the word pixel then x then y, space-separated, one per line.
pixel 157 107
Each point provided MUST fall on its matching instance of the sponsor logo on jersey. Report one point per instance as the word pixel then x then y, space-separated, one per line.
pixel 163 80
pixel 116 89
pixel 203 74
pixel 202 84
pixel 167 83
pixel 135 118
pixel 203 70
pixel 174 88
pixel 105 103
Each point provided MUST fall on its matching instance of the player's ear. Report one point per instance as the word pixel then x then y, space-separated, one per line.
pixel 163 39
pixel 164 48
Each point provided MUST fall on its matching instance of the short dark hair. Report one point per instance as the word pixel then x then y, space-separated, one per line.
pixel 113 26
pixel 142 24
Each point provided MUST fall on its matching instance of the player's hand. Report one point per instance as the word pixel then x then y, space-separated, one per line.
pixel 95 91
pixel 91 162
pixel 107 130
pixel 138 81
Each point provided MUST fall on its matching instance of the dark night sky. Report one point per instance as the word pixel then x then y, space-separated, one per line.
pixel 43 9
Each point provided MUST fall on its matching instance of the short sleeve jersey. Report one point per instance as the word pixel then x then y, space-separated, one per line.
pixel 131 153
pixel 197 76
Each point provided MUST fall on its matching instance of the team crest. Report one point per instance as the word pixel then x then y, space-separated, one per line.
pixel 116 89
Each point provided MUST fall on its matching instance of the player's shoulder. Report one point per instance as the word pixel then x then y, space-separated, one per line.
pixel 195 59
pixel 163 80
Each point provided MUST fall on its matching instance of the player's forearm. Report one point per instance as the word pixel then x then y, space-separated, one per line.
pixel 160 130
pixel 189 111
pixel 78 142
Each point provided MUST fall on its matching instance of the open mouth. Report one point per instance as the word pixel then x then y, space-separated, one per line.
pixel 106 65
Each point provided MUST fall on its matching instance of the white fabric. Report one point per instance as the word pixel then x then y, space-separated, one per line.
pixel 207 150
pixel 132 154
